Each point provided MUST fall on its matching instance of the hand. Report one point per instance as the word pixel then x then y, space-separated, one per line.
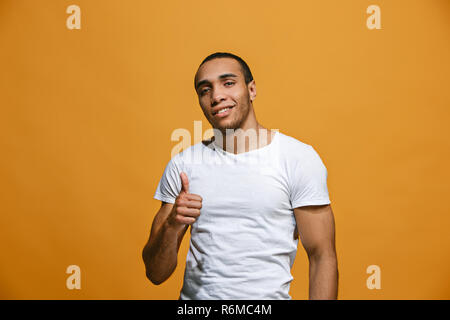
pixel 187 205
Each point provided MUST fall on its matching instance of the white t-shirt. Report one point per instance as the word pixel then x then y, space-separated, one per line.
pixel 242 245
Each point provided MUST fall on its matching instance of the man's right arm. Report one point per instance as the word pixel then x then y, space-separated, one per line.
pixel 161 251
pixel 168 228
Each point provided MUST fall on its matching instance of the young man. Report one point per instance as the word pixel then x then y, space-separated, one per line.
pixel 247 194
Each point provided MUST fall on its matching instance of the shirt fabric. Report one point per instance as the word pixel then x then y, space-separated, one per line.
pixel 242 245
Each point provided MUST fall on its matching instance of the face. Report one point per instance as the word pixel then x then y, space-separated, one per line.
pixel 219 84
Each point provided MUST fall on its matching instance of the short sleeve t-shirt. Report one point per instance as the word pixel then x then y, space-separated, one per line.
pixel 242 245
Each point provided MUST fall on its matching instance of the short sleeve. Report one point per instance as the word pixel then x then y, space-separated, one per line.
pixel 169 185
pixel 309 180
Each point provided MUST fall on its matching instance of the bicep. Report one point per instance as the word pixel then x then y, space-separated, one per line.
pixel 315 225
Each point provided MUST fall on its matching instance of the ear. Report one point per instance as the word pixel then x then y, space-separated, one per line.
pixel 252 89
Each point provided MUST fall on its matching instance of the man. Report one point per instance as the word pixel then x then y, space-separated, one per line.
pixel 246 200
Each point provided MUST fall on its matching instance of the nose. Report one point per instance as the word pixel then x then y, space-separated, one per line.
pixel 216 97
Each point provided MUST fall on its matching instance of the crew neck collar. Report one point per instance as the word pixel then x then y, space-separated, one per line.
pixel 274 140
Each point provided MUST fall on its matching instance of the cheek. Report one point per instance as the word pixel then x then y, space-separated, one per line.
pixel 203 105
pixel 243 99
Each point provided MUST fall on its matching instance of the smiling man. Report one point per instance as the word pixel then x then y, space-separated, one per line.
pixel 247 201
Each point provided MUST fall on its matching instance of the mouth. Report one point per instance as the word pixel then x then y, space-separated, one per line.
pixel 223 112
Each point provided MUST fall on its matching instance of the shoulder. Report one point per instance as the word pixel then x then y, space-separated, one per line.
pixel 293 147
pixel 300 155
pixel 191 153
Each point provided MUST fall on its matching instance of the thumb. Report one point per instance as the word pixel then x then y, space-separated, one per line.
pixel 184 182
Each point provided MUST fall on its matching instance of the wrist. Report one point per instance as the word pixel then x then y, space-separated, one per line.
pixel 172 226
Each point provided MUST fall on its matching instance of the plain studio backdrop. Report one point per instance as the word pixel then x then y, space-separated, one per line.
pixel 87 115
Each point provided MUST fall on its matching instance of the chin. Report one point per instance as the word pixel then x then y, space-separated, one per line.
pixel 230 125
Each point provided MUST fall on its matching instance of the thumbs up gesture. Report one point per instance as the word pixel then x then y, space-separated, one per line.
pixel 187 205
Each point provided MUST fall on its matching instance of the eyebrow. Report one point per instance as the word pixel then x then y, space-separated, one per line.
pixel 222 76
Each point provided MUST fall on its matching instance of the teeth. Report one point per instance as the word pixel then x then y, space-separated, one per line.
pixel 223 110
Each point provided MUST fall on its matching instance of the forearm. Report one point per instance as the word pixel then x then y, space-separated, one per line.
pixel 160 256
pixel 323 277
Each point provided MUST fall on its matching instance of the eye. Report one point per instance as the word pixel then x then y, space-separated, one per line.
pixel 203 91
pixel 229 82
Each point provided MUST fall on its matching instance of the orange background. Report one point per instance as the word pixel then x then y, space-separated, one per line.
pixel 86 119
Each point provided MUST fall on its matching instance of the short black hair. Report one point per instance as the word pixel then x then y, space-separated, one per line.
pixel 245 68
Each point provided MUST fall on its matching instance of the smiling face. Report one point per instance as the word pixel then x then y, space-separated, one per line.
pixel 220 84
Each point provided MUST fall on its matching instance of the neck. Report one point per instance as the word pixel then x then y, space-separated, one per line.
pixel 249 136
